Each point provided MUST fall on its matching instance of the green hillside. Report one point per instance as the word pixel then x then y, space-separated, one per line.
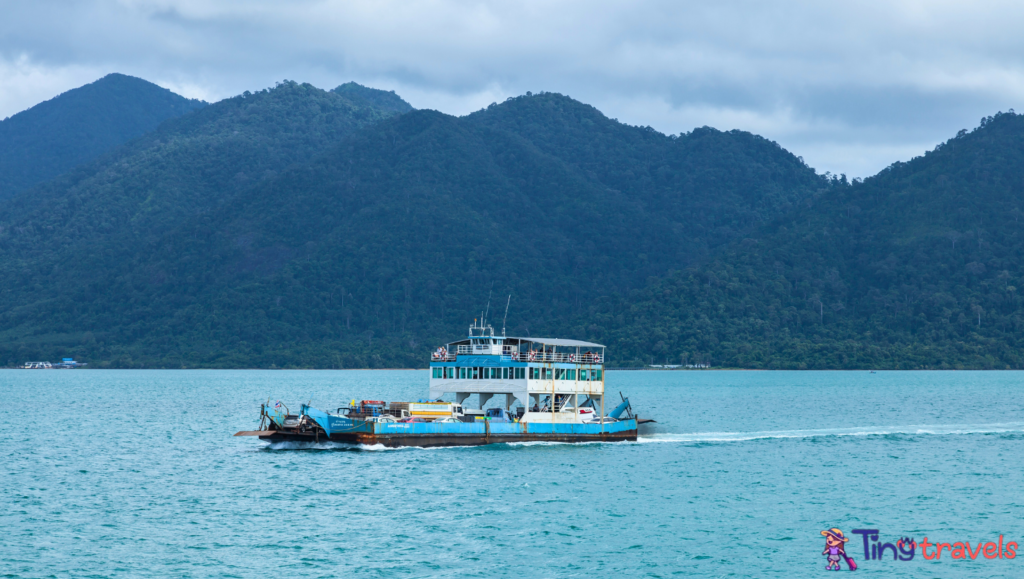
pixel 917 267
pixel 386 101
pixel 79 126
pixel 187 251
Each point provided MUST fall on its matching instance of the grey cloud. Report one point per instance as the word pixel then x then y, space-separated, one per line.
pixel 845 86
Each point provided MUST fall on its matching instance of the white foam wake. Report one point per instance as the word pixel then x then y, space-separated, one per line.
pixel 924 429
pixel 302 445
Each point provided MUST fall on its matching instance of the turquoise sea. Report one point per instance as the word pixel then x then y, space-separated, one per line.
pixel 136 474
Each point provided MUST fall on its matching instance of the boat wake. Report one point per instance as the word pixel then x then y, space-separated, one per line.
pixel 344 446
pixel 911 430
pixel 294 445
pixel 701 437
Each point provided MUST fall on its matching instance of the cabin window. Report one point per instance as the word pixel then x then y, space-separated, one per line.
pixel 559 374
pixel 572 374
pixel 598 376
pixel 585 375
pixel 496 373
pixel 547 373
pixel 520 373
pixel 462 373
pixel 504 373
pixel 476 373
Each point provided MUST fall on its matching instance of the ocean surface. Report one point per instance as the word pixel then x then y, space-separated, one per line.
pixel 136 474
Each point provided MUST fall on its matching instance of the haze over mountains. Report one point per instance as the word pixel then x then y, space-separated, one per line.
pixel 311 228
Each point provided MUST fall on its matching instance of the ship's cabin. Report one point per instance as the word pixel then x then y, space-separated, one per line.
pixel 538 379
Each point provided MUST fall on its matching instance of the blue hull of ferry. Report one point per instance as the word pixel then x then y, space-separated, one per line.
pixel 342 429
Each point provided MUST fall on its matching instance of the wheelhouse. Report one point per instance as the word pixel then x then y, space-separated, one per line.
pixel 554 379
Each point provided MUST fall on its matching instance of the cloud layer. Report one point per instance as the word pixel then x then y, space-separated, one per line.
pixel 850 88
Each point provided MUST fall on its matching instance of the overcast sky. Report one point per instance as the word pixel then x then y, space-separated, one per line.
pixel 850 87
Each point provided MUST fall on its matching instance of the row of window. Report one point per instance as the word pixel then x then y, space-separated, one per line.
pixel 515 374
pixel 564 374
pixel 480 373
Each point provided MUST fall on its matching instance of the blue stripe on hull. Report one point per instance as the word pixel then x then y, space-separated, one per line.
pixel 502 428
pixel 462 433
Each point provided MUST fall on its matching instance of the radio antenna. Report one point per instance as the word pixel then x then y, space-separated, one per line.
pixel 506 315
pixel 488 308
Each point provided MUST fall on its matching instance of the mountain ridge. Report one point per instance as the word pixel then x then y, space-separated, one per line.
pixel 915 267
pixel 80 125
pixel 364 253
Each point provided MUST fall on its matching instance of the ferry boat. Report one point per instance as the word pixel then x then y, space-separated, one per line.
pixel 559 385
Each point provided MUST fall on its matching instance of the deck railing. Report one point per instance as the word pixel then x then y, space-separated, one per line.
pixel 509 355
pixel 553 357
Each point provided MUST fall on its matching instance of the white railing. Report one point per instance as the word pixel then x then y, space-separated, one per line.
pixel 510 355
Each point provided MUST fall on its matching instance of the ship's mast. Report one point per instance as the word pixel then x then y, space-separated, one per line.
pixel 503 320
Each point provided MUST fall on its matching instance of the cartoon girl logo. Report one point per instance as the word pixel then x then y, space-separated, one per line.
pixel 835 549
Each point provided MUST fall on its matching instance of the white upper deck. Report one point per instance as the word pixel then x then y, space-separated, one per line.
pixel 482 342
pixel 544 373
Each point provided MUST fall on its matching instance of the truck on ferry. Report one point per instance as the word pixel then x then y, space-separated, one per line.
pixel 539 389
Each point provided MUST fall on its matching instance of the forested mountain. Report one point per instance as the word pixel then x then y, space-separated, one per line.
pixel 919 266
pixel 79 126
pixel 386 101
pixel 222 240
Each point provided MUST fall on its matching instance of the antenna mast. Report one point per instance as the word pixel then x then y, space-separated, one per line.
pixel 488 309
pixel 506 315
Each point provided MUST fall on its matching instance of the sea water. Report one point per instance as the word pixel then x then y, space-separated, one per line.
pixel 136 474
